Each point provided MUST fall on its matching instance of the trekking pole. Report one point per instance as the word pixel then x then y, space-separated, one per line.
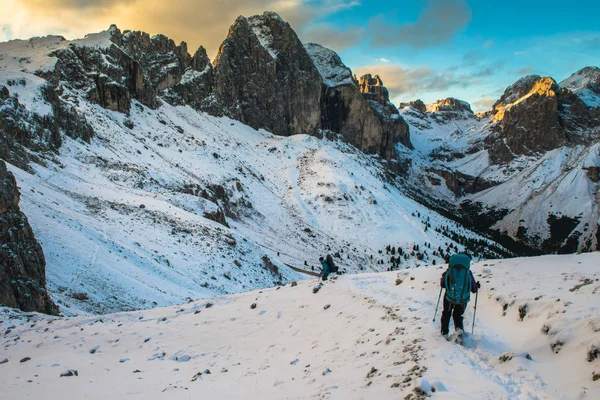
pixel 438 304
pixel 474 311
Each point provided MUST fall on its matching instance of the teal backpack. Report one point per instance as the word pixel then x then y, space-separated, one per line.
pixel 458 280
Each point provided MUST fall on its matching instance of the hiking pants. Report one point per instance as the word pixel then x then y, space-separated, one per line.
pixel 457 311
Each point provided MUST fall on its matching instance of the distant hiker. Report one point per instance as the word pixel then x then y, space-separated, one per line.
pixel 326 268
pixel 459 283
pixel 332 267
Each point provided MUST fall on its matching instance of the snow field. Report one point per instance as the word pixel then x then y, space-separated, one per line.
pixel 123 220
pixel 360 336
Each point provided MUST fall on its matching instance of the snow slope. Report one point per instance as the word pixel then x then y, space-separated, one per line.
pixel 531 192
pixel 129 219
pixel 586 84
pixel 361 336
pixel 556 184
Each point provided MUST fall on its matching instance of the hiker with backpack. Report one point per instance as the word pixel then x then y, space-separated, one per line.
pixel 459 282
pixel 325 266
pixel 328 265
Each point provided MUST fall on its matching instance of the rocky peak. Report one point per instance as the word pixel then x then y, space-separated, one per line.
pixel 526 86
pixel 526 119
pixel 372 88
pixel 163 62
pixel 450 104
pixel 586 84
pixel 417 105
pixel 264 77
pixel 330 66
pixel 22 262
pixel 200 60
pixel 366 118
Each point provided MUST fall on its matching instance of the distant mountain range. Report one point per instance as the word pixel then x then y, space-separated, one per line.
pixel 151 175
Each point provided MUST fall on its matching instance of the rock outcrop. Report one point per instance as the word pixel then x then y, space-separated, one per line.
pixel 585 83
pixel 22 129
pixel 450 109
pixel 194 87
pixel 22 263
pixel 416 104
pixel 264 77
pixel 358 109
pixel 450 104
pixel 535 115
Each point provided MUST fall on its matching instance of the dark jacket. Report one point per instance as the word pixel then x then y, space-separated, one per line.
pixel 325 267
pixel 474 287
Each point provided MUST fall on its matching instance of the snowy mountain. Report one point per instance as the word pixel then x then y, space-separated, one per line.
pixel 141 199
pixel 361 336
pixel 586 84
pixel 151 176
pixel 527 169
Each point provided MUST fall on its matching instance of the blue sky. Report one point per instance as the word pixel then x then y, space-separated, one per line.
pixel 427 49
pixel 467 49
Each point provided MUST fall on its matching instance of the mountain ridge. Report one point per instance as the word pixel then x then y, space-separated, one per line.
pixel 122 126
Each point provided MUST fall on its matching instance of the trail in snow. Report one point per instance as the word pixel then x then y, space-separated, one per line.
pixel 358 337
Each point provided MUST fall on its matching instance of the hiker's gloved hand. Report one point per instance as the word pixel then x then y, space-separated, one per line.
pixel 478 285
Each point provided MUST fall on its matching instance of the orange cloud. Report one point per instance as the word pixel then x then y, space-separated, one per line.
pixel 197 22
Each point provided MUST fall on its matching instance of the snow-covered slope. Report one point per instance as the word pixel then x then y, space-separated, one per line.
pixel 361 336
pixel 330 66
pixel 527 169
pixel 586 84
pixel 171 204
pixel 556 192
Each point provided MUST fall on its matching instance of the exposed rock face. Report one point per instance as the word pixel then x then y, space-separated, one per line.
pixel 366 118
pixel 372 89
pixel 264 77
pixel 450 104
pixel 535 115
pixel 585 83
pixel 417 105
pixel 450 109
pixel 594 174
pixel 22 263
pixel 109 76
pixel 195 85
pixel 160 59
pixel 22 129
pixel 461 184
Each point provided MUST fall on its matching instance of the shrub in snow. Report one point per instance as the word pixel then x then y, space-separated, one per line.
pixel 522 311
pixel 593 353
pixel 556 346
pixel 80 296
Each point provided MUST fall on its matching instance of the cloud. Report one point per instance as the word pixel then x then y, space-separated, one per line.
pixel 488 70
pixel 198 22
pixel 483 104
pixel 525 70
pixel 332 37
pixel 5 32
pixel 384 60
pixel 438 23
pixel 488 44
pixel 412 81
pixel 74 4
pixel 473 57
